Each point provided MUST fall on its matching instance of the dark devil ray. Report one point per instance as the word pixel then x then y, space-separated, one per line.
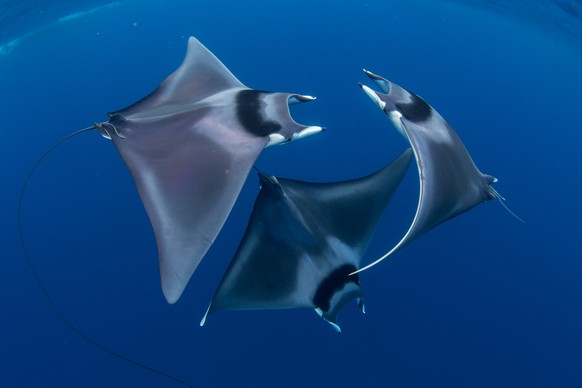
pixel 302 242
pixel 190 146
pixel 450 182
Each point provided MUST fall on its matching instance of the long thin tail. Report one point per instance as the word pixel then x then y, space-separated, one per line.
pixel 44 290
pixel 501 200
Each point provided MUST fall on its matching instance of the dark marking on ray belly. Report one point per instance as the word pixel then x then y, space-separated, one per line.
pixel 250 111
pixel 271 186
pixel 416 110
pixel 334 282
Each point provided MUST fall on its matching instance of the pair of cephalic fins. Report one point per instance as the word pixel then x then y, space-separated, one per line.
pixel 191 144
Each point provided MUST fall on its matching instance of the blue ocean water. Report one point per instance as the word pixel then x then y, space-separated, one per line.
pixel 481 301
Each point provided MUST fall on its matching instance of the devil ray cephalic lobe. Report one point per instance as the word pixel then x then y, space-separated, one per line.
pixel 302 242
pixel 450 183
pixel 190 145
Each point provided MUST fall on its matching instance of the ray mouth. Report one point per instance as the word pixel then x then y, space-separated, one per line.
pixel 294 99
pixel 306 130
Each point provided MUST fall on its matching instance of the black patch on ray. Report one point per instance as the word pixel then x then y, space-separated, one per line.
pixel 250 113
pixel 416 110
pixel 334 282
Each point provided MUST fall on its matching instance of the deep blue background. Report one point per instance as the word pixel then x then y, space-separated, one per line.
pixel 482 301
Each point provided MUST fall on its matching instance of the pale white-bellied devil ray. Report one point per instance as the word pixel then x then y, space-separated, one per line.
pixel 302 242
pixel 450 182
pixel 189 146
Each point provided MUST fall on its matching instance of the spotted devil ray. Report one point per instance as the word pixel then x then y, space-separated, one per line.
pixel 302 242
pixel 450 182
pixel 190 145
